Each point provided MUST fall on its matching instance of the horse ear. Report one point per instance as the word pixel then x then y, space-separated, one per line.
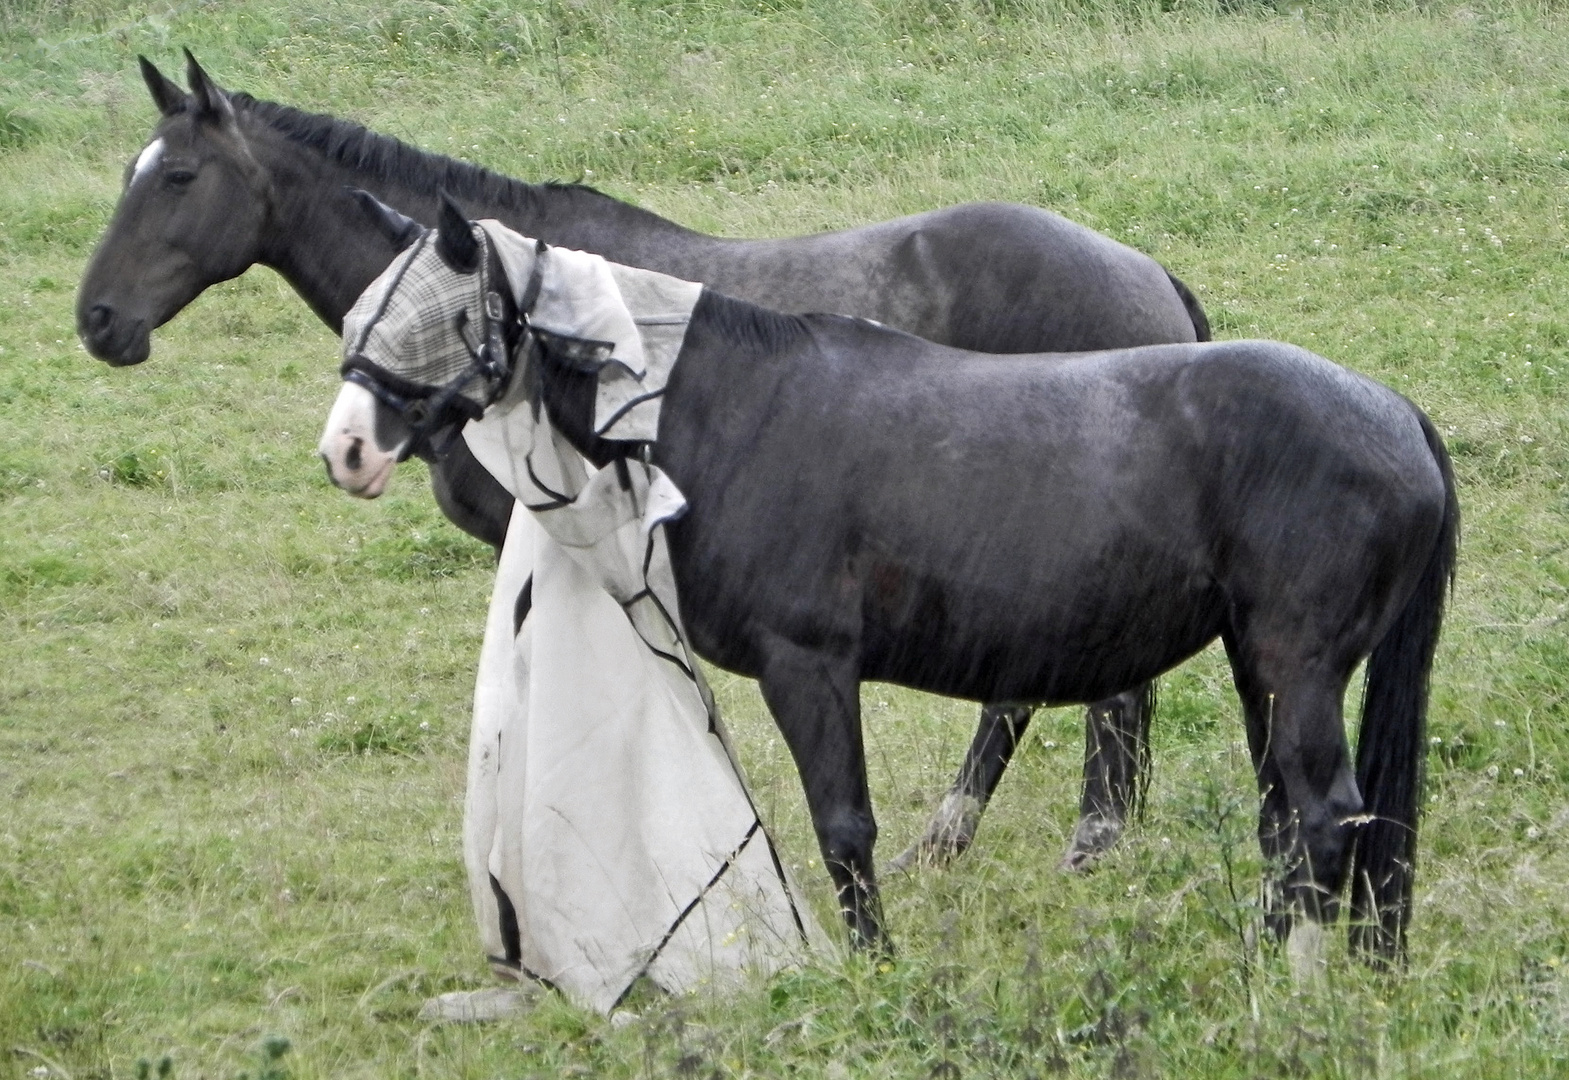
pixel 455 241
pixel 166 93
pixel 401 230
pixel 211 102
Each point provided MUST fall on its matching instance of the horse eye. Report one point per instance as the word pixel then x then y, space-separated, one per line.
pixel 179 177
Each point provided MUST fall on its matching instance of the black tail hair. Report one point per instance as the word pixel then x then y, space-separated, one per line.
pixel 1195 309
pixel 1393 743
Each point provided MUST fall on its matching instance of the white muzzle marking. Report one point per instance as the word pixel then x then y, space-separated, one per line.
pixel 348 445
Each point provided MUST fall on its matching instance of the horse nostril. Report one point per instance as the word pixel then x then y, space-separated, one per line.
pixel 353 458
pixel 99 316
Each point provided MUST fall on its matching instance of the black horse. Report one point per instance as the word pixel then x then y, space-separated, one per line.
pixel 228 181
pixel 864 504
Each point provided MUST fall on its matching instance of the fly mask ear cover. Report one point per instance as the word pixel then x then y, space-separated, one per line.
pixel 428 341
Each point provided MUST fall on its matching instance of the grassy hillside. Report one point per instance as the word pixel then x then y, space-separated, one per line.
pixel 233 702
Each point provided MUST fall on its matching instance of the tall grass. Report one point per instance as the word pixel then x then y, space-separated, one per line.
pixel 233 706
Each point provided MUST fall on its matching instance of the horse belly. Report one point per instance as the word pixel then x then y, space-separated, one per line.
pixel 1078 637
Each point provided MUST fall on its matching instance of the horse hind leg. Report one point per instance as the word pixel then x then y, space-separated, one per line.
pixel 1116 772
pixel 952 826
pixel 1309 802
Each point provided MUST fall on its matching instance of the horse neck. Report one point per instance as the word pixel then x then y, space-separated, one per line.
pixel 732 355
pixel 320 241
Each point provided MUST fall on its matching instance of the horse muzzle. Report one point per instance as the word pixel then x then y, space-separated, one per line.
pixel 357 467
pixel 355 458
pixel 113 338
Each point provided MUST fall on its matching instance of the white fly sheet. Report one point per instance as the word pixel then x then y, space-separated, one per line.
pixel 608 831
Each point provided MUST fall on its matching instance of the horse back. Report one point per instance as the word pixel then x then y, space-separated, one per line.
pixel 995 277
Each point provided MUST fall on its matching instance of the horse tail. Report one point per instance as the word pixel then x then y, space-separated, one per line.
pixel 1195 309
pixel 1392 743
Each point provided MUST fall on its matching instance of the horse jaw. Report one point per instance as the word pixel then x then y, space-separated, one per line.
pixel 355 461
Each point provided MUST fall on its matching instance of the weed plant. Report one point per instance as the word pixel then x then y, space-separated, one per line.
pixel 233 702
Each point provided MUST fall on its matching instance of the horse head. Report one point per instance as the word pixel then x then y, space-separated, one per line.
pixel 192 213
pixel 426 348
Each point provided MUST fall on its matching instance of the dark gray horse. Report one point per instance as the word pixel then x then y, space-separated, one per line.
pixel 864 504
pixel 228 181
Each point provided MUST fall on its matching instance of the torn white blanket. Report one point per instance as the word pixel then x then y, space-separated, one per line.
pixel 608 832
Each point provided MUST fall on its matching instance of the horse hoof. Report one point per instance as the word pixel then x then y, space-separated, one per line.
pixel 1076 861
pixel 478 1006
pixel 1093 837
pixel 948 834
pixel 1306 948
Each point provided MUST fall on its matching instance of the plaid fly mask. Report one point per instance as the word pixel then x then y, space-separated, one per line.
pixel 430 342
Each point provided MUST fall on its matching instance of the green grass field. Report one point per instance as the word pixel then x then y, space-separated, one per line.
pixel 234 702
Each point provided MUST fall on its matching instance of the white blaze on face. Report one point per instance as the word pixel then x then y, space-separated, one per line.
pixel 147 160
pixel 348 445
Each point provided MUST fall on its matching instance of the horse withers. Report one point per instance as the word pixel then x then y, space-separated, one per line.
pixel 227 181
pixel 864 504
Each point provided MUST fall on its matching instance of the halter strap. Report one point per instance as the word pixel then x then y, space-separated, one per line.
pixel 536 279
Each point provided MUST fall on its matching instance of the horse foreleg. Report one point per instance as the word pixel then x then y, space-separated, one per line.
pixel 952 827
pixel 1116 770
pixel 814 696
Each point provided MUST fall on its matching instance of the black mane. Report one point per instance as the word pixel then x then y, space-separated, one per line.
pixel 749 325
pixel 395 162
